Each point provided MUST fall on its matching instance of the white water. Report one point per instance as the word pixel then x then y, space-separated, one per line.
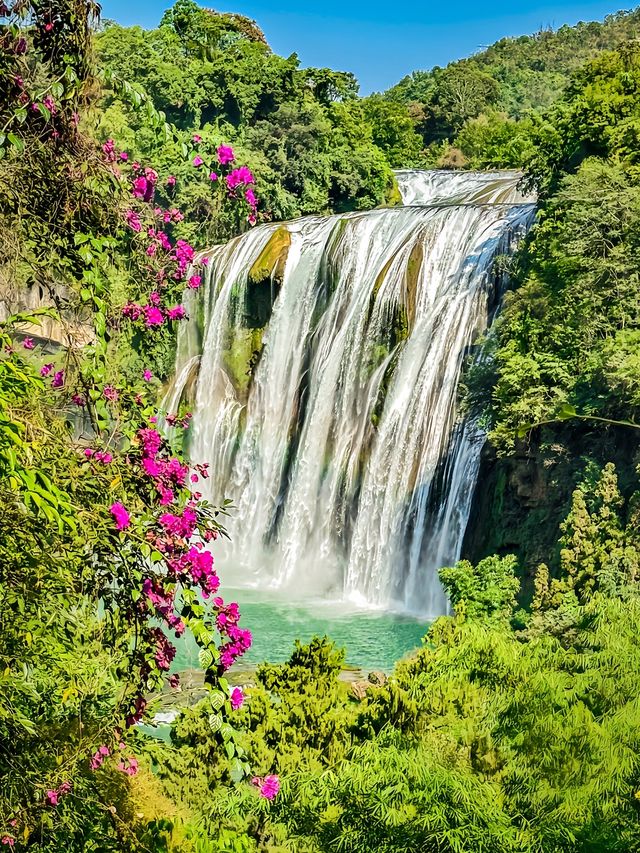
pixel 350 473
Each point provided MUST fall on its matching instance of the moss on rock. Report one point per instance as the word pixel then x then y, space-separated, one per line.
pixel 265 279
pixel 393 196
pixel 241 357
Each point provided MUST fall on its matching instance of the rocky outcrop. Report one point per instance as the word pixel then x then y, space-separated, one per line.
pixel 520 500
pixel 49 331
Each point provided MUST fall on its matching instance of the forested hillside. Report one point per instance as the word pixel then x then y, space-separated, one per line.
pixel 303 132
pixel 480 111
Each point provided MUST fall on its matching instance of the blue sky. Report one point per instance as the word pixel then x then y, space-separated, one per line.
pixel 380 42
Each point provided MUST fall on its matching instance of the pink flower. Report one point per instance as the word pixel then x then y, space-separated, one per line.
pixel 28 343
pixel 171 181
pixel 225 155
pixel 120 515
pixel 50 104
pixel 197 138
pixel 58 379
pixel 251 198
pixel 124 156
pixel 128 766
pixel 79 400
pixel 153 316
pixel 48 27
pixel 8 840
pixel 198 161
pixel 213 176
pixel 88 452
pixel 46 369
pixel 132 311
pixel 174 681
pixel 133 220
pixel 237 698
pixel 108 149
pixel 110 393
pixel 140 187
pixel 52 798
pixel 243 175
pixel 194 282
pixel 176 313
pixel 147 376
pixel 98 757
pixel 269 786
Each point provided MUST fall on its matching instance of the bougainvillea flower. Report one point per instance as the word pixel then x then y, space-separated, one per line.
pixel 225 155
pixel 120 515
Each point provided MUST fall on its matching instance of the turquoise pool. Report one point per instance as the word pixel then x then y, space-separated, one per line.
pixel 373 640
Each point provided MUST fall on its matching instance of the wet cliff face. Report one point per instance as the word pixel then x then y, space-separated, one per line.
pixel 521 500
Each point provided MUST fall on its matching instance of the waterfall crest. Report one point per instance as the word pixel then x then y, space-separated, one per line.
pixel 322 360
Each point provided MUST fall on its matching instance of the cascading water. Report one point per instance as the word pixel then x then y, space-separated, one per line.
pixel 322 359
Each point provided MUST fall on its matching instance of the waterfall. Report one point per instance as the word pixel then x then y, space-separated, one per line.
pixel 322 360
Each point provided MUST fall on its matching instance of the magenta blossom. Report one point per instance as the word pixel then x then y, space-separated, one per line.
pixel 128 766
pixel 133 220
pixel 58 379
pixel 176 313
pixel 52 798
pixel 50 104
pixel 197 138
pixel 46 369
pixel 171 181
pixel 213 176
pixel 240 176
pixel 269 786
pixel 194 282
pixel 120 515
pixel 153 316
pixel 28 343
pixel 147 376
pixel 198 161
pixel 109 150
pixel 110 393
pixel 225 155
pixel 237 698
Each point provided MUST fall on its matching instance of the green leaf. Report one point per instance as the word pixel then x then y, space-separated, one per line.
pixel 16 142
pixel 215 722
pixel 567 411
pixel 205 658
pixel 217 699
pixel 237 770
